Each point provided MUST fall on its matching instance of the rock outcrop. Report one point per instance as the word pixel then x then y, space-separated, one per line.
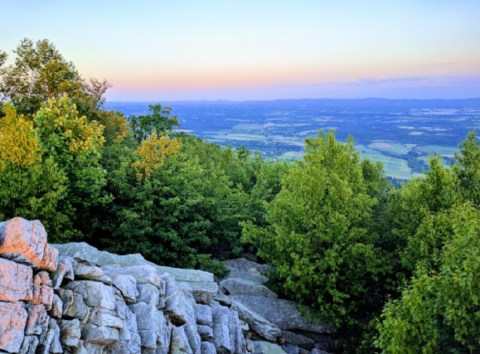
pixel 74 298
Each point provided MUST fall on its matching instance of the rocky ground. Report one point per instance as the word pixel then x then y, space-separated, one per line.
pixel 73 298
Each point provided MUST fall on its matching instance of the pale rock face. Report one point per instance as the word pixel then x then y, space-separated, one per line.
pixel 127 285
pixel 221 331
pixel 236 286
pixel 100 335
pixel 42 290
pixel 73 305
pixel 174 301
pixel 145 314
pixel 57 307
pixel 25 241
pixel 148 294
pixel 15 281
pixel 37 320
pixel 13 318
pixel 203 314
pixel 141 274
pixel 208 348
pixel 179 342
pixel 71 332
pixel 235 330
pixel 203 284
pixel 88 272
pixel 262 347
pixel 95 294
pixel 257 323
pixel 101 317
pixel 29 345
pixel 205 332
pixel 49 340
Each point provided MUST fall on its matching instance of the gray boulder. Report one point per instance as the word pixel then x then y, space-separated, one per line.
pixel 29 345
pixel 257 323
pixel 100 335
pixel 203 313
pixel 64 271
pixel 284 313
pixel 149 294
pixel 205 332
pixel 71 332
pixel 174 301
pixel 142 274
pixel 262 347
pixel 37 320
pixel 208 348
pixel 244 269
pixel 145 315
pixel 237 286
pixel 73 304
pixel 95 294
pixel 179 343
pixel 127 285
pixel 221 331
pixel 88 272
pixel 298 339
pixel 235 329
pixel 103 318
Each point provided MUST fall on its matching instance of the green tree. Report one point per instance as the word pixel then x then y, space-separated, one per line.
pixel 179 216
pixel 29 187
pixel 159 120
pixel 418 216
pixel 439 312
pixel 74 144
pixel 320 241
pixel 39 73
pixel 467 168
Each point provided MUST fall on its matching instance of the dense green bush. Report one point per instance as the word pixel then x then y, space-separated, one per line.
pixel 322 241
pixel 439 311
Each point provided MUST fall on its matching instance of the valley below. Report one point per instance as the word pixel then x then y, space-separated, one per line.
pixel 401 134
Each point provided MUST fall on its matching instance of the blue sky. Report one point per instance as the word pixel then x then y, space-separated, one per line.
pixel 263 49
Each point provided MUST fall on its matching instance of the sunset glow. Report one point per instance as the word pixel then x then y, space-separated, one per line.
pixel 260 49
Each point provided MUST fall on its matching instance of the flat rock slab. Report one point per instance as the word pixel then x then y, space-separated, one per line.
pixel 25 241
pixel 237 286
pixel 284 313
pixel 202 283
pixel 103 258
pixel 244 269
pixel 262 347
pixel 257 323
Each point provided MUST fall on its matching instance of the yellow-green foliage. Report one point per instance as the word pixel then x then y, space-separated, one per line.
pixel 152 153
pixel 18 142
pixel 63 131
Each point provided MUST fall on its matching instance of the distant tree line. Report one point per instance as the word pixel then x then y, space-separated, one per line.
pixel 394 269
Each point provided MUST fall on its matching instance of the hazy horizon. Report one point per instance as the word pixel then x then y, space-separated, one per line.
pixel 294 99
pixel 250 50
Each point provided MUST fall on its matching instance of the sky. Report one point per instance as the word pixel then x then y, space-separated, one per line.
pixel 260 49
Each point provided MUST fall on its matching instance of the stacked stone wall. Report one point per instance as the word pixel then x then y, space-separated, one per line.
pixel 62 304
